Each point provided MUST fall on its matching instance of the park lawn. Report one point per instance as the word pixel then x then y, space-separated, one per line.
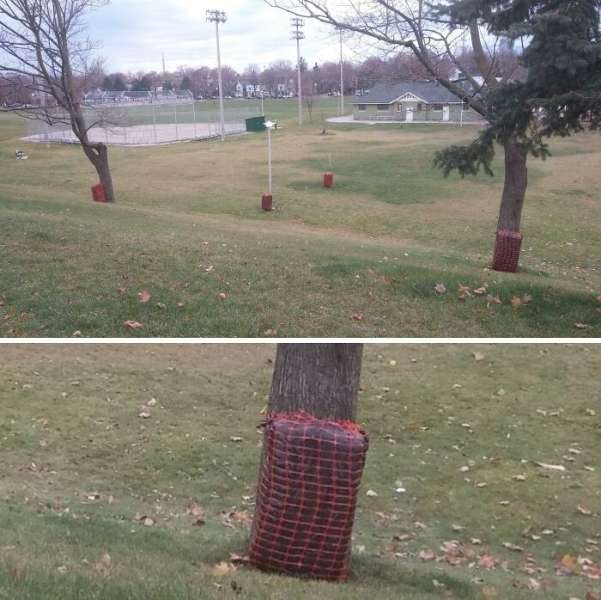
pixel 81 470
pixel 361 259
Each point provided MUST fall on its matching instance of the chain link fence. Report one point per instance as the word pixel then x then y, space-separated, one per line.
pixel 148 122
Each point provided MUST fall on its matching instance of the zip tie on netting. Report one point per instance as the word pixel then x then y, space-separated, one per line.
pixel 307 496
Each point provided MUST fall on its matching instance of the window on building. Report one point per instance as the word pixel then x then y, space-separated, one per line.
pixel 420 107
pixel 383 107
pixel 362 107
pixel 437 107
pixel 466 106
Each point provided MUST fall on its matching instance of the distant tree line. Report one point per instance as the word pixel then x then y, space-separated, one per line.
pixel 276 79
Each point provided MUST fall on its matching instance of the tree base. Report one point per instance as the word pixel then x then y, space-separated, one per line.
pixel 507 251
pixel 99 193
pixel 328 180
pixel 267 202
pixel 307 494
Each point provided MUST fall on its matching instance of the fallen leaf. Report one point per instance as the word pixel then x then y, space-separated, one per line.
pixel 222 569
pixel 478 356
pixel 133 325
pixel 223 296
pixel 580 325
pixel 516 302
pixel 237 559
pixel 481 291
pixel 490 299
pixel 533 585
pixel 550 467
pixel 512 547
pixel 371 494
pixel 440 288
pixel 144 414
pixel 358 317
pixel 464 292
pixel 121 291
pixel 144 296
pixel 584 511
pixel 527 299
pixel 427 555
pixel 147 521
pixel 195 510
pixel 486 561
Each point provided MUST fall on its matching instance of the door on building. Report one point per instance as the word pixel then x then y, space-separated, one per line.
pixel 409 115
pixel 446 113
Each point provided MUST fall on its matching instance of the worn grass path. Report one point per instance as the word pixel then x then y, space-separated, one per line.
pixel 460 428
pixel 187 227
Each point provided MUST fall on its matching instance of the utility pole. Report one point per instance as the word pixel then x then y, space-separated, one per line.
pixel 164 69
pixel 217 17
pixel 340 30
pixel 298 35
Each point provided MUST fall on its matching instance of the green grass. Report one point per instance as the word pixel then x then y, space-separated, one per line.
pixel 376 244
pixel 70 430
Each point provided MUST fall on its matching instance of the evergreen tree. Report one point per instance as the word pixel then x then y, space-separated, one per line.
pixel 560 96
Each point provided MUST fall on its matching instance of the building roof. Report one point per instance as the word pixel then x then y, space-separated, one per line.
pixel 429 91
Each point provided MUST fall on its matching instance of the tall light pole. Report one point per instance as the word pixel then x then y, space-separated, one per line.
pixel 341 30
pixel 298 35
pixel 217 17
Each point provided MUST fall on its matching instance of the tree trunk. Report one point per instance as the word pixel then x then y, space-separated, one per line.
pixel 100 160
pixel 516 182
pixel 320 379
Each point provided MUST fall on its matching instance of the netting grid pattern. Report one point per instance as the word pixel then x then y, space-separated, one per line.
pixel 307 496
pixel 507 251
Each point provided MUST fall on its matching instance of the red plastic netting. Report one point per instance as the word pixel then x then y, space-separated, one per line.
pixel 507 251
pixel 307 494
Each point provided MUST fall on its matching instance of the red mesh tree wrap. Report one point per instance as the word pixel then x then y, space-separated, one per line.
pixel 307 494
pixel 507 251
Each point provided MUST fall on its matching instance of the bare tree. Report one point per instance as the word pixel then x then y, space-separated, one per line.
pixel 43 43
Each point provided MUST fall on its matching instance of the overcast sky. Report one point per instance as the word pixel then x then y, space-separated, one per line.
pixel 134 33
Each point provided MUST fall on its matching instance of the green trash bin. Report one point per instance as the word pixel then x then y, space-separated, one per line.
pixel 255 124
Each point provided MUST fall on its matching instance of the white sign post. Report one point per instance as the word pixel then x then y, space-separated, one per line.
pixel 269 125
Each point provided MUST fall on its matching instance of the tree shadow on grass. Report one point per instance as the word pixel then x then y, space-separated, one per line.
pixel 377 572
pixel 552 311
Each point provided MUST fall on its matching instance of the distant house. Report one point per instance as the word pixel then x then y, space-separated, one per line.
pixel 239 90
pixel 412 101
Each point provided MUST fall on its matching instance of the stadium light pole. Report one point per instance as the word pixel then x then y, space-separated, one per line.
pixel 341 30
pixel 217 17
pixel 298 35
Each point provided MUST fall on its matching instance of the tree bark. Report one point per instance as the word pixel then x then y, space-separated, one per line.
pixel 101 164
pixel 320 379
pixel 516 182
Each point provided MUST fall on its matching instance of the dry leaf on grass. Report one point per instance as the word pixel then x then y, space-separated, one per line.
pixel 512 547
pixel 358 317
pixel 144 296
pixel 133 325
pixel 550 467
pixel 488 562
pixel 427 555
pixel 440 288
pixel 464 292
pixel 222 569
